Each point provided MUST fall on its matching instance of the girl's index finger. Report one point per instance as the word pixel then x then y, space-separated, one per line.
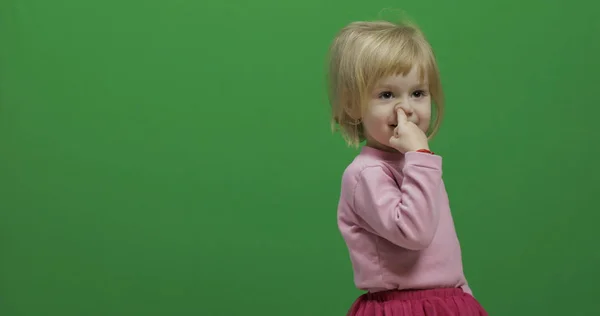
pixel 401 115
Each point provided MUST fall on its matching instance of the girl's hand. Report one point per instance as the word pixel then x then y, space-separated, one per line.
pixel 407 135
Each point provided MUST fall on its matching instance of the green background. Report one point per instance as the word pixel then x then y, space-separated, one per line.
pixel 175 158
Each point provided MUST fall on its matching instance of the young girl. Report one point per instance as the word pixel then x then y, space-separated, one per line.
pixel 393 210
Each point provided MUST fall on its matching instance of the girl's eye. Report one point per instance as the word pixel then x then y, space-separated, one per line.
pixel 386 95
pixel 419 94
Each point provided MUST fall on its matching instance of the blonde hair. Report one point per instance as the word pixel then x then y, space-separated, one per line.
pixel 363 53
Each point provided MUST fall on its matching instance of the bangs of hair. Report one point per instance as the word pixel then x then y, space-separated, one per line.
pixel 394 52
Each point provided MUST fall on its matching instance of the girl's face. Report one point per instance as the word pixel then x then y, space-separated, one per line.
pixel 405 92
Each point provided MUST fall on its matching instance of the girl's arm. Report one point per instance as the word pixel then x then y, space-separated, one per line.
pixel 403 211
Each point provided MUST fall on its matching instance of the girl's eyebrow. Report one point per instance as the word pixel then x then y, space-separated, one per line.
pixel 389 86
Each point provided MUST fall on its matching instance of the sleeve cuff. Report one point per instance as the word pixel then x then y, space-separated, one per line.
pixel 423 160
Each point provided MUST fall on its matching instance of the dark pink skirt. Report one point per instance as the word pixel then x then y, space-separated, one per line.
pixel 437 302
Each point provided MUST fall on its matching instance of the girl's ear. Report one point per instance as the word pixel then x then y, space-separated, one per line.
pixel 352 110
pixel 354 114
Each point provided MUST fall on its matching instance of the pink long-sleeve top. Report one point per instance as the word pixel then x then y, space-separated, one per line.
pixel 395 218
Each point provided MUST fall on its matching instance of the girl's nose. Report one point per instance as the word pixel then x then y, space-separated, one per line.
pixel 405 107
